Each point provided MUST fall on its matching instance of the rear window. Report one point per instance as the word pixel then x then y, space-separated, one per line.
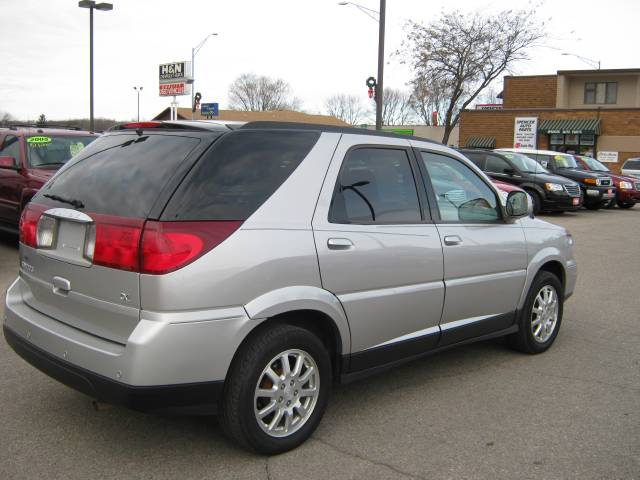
pixel 118 174
pixel 55 150
pixel 241 171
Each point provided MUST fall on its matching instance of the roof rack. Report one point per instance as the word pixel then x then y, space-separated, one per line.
pixel 15 126
pixel 331 128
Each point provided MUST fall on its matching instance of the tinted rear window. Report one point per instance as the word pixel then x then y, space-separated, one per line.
pixel 632 164
pixel 119 174
pixel 241 171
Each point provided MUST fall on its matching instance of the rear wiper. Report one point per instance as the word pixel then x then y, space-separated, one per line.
pixel 74 203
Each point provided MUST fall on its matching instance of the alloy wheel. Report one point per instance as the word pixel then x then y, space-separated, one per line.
pixel 544 314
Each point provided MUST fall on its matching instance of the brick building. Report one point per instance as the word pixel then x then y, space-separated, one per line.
pixel 593 112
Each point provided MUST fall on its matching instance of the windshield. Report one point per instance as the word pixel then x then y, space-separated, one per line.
pixel 632 164
pixel 594 164
pixel 525 164
pixel 54 150
pixel 565 161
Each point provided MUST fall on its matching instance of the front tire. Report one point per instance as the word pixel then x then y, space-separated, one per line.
pixel 536 201
pixel 540 319
pixel 625 205
pixel 277 389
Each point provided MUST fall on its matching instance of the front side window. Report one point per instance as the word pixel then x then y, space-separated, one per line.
pixel 461 195
pixel 11 148
pixel 54 150
pixel 496 164
pixel 601 92
pixel 375 185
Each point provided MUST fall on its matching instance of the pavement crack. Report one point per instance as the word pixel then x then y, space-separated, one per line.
pixel 266 468
pixel 365 459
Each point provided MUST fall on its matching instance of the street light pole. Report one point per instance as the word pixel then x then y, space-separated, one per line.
pixel 194 51
pixel 138 89
pixel 90 4
pixel 380 88
pixel 380 80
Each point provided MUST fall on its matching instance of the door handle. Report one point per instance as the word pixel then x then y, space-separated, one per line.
pixel 339 244
pixel 452 240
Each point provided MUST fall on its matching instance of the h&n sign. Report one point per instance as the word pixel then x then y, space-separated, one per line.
pixel 174 72
pixel 525 132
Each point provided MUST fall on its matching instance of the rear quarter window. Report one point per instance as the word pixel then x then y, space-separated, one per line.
pixel 239 173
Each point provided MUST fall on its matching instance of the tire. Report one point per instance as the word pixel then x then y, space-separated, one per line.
pixel 524 340
pixel 264 352
pixel 593 206
pixel 537 202
pixel 625 205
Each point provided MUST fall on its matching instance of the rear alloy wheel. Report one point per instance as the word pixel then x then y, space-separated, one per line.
pixel 277 389
pixel 541 316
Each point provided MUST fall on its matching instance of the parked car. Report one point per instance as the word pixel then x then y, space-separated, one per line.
pixel 631 167
pixel 627 188
pixel 245 271
pixel 548 192
pixel 29 156
pixel 597 189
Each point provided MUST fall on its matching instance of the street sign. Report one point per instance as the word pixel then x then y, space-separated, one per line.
pixel 174 72
pixel 209 110
pixel 177 88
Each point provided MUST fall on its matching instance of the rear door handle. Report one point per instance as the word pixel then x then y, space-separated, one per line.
pixel 339 244
pixel 452 240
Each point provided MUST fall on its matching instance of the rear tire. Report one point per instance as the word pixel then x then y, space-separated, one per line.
pixel 539 321
pixel 259 382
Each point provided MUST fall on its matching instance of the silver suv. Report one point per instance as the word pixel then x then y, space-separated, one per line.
pixel 194 268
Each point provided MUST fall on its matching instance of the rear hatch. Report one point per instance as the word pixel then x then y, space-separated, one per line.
pixel 81 233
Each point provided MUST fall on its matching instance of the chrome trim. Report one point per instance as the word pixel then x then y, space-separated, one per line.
pixel 420 333
pixel 68 214
pixel 466 321
pixel 572 190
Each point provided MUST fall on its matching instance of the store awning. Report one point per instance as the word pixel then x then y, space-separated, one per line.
pixel 481 142
pixel 575 127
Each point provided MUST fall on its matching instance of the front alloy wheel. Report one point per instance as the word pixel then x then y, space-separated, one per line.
pixel 544 315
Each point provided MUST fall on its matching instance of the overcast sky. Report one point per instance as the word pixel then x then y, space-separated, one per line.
pixel 317 46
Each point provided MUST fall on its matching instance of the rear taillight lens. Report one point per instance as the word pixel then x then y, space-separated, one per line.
pixel 116 242
pixel 46 231
pixel 168 246
pixel 29 223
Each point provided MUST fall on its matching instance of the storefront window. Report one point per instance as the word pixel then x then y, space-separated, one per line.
pixel 556 139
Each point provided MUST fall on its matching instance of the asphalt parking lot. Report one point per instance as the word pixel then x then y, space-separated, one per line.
pixel 479 411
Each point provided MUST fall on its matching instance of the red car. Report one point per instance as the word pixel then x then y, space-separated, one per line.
pixel 29 156
pixel 627 188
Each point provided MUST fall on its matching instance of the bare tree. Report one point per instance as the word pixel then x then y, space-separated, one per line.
pixel 428 101
pixel 347 108
pixel 464 53
pixel 396 107
pixel 5 118
pixel 253 93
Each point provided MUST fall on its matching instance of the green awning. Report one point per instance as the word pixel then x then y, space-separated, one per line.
pixel 481 142
pixel 572 127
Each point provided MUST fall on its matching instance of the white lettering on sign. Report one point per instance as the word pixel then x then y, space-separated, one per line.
pixel 175 71
pixel 525 132
pixel 178 88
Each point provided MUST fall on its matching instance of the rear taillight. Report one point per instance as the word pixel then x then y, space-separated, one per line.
pixel 29 223
pixel 168 246
pixel 116 242
pixel 46 231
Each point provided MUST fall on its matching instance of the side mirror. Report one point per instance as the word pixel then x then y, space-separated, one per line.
pixel 8 162
pixel 518 204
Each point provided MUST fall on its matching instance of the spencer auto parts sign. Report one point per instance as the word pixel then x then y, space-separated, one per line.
pixel 525 132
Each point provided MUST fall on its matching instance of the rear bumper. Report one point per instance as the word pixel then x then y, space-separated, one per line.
pixel 195 398
pixel 171 361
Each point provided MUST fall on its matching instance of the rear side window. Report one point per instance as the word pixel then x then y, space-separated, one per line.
pixel 496 164
pixel 119 174
pixel 240 172
pixel 477 158
pixel 375 185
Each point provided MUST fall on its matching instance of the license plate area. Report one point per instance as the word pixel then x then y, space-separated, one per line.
pixel 70 242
